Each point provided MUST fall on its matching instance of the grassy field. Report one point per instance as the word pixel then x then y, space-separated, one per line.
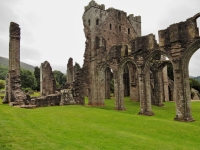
pixel 97 128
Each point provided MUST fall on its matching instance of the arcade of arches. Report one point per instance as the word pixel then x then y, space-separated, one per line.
pixel 115 49
pixel 138 63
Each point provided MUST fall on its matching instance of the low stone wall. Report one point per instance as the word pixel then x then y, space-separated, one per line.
pixel 43 101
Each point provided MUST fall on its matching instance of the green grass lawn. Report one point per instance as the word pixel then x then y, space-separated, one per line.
pixel 97 128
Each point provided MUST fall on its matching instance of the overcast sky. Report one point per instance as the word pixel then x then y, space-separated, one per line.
pixel 52 30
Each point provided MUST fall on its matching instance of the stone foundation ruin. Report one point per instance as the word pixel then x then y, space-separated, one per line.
pixel 115 49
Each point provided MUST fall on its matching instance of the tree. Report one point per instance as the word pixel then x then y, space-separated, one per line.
pixel 37 77
pixel 195 84
pixel 27 79
pixel 3 72
pixel 59 77
pixel 2 84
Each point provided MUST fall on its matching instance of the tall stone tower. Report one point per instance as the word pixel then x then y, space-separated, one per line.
pixel 103 29
pixel 14 48
pixel 14 93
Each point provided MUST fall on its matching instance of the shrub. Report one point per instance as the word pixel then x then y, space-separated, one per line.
pixel 2 84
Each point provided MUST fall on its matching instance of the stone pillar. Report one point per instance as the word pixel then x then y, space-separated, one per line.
pixel 47 81
pixel 133 83
pixel 119 90
pixel 14 48
pixel 161 88
pixel 182 93
pixel 165 80
pixel 158 88
pixel 14 93
pixel 70 71
pixel 144 93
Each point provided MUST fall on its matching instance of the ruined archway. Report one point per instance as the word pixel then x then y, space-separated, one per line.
pixel 194 60
pixel 155 79
pixel 130 79
pixel 108 80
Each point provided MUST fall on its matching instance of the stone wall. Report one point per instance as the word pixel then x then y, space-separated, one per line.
pixel 47 81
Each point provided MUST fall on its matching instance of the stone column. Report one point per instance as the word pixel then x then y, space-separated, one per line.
pixel 161 88
pixel 144 93
pixel 182 93
pixel 165 80
pixel 13 90
pixel 119 90
pixel 158 88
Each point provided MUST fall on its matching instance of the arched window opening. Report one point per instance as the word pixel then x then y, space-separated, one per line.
pixel 97 22
pixel 157 75
pixel 194 63
pixel 110 26
pixel 119 16
pixel 89 22
pixel 198 24
pixel 109 83
pixel 119 28
pixel 128 30
pixel 194 75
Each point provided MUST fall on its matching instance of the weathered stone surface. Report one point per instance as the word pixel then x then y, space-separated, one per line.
pixel 70 71
pixel 47 81
pixel 114 41
pixel 13 92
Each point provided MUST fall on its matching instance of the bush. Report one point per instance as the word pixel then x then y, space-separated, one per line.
pixel 2 84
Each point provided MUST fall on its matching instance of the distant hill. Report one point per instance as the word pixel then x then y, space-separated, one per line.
pixel 197 78
pixel 4 61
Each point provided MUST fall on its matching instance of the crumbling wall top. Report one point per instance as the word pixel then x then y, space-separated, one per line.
pixel 14 30
pixel 132 18
pixel 92 3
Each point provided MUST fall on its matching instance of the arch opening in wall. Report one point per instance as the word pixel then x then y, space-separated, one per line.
pixel 89 22
pixel 192 62
pixel 128 30
pixel 119 28
pixel 119 16
pixel 198 24
pixel 156 77
pixel 130 81
pixel 110 26
pixel 109 83
pixel 97 21
pixel 194 74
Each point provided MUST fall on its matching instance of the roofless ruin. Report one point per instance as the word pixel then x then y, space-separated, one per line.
pixel 115 49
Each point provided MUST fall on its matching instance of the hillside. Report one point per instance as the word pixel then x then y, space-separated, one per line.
pixel 4 61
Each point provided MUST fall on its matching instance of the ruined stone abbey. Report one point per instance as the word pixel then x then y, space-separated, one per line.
pixel 116 50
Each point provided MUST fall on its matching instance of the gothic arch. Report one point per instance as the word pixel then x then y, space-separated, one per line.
pixel 133 85
pixel 190 51
pixel 150 57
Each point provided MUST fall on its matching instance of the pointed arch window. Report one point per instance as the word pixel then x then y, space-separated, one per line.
pixel 97 21
pixel 120 29
pixel 119 16
pixel 110 26
pixel 89 22
pixel 128 30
